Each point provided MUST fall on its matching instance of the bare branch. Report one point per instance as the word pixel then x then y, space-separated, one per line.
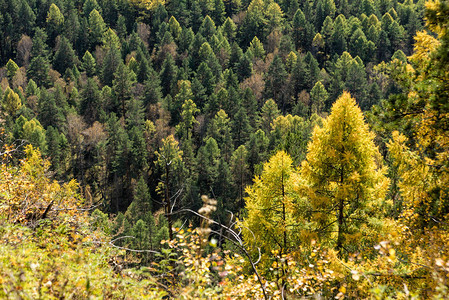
pixel 237 242
pixel 129 249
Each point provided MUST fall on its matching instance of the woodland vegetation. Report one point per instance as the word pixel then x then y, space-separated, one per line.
pixel 227 149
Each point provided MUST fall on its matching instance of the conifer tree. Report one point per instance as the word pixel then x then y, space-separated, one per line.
pixel 184 94
pixel 110 63
pixel 302 30
pixel 241 127
pixel 168 76
pixel 90 105
pixel 118 149
pixel 254 22
pixel 55 21
pixel 38 70
pixel 345 181
pixel 152 93
pixel 318 97
pixel 97 27
pixel 34 133
pixel 27 17
pixel 11 69
pixel 422 159
pixel 169 161
pixel 276 81
pixel 11 102
pixel 89 6
pixel 291 134
pixel 257 150
pixel 338 37
pixel 270 224
pixel 185 127
pixel 240 172
pixel 65 57
pixel 220 130
pixel 256 48
pixel 229 29
pixel 324 8
pixel 219 13
pixel 208 162
pixel 275 16
pixel 88 64
pixel 268 113
pixel 124 79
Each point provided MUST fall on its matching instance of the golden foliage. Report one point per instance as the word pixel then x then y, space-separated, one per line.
pixel 47 248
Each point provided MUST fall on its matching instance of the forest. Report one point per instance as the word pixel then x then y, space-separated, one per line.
pixel 224 149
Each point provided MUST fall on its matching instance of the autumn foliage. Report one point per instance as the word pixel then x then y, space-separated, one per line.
pixel 211 149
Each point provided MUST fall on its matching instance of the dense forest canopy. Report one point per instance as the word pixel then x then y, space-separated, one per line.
pixel 225 148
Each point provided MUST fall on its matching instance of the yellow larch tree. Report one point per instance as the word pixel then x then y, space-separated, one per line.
pixel 343 178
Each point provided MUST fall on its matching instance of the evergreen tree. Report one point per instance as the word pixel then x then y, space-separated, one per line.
pixel 124 79
pixel 27 18
pixel 220 130
pixel 312 71
pixel 206 77
pixel 111 40
pixel 97 27
pixel 207 29
pixel 110 63
pixel 140 232
pixel 88 64
pixel 208 162
pixel 55 22
pixel 318 97
pixel 219 13
pixel 89 6
pixel 256 48
pixel 91 104
pixel 50 112
pixel 122 30
pixel 275 16
pixel 138 156
pixel 268 113
pixel 240 173
pixel 169 76
pixel 324 8
pixel 241 127
pixel 229 29
pixel 65 57
pixel 72 26
pixel 152 93
pixel 275 82
pixel 359 46
pixel 38 71
pixel 175 29
pixel 302 31
pixel 338 38
pixel 118 149
pixel 254 22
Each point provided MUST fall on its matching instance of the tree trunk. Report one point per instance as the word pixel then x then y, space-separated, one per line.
pixel 340 226
pixel 340 217
pixel 168 202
